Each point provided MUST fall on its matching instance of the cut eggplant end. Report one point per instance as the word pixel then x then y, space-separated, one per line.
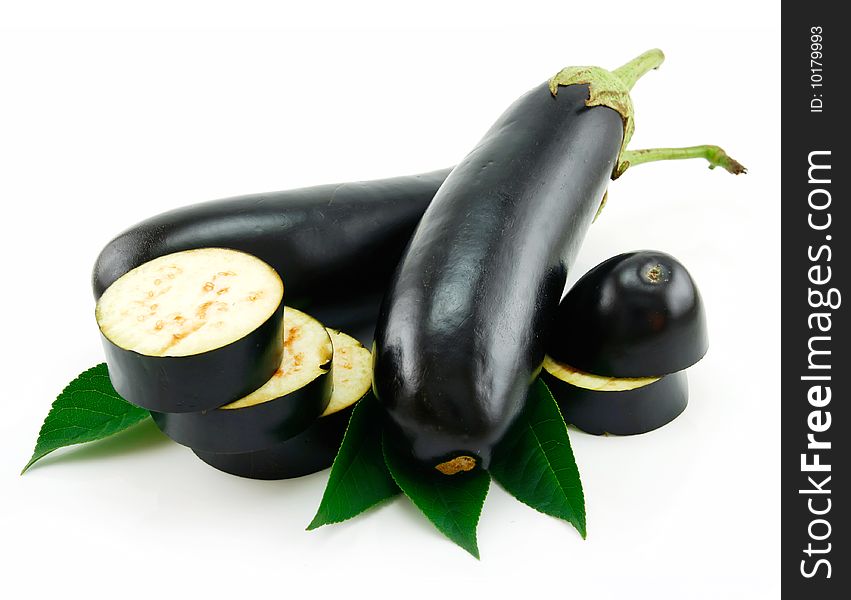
pixel 307 355
pixel 315 448
pixel 625 412
pixel 633 315
pixel 190 302
pixel 590 381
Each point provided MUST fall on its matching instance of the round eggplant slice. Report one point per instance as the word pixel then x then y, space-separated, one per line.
pixel 633 315
pixel 192 330
pixel 618 406
pixel 293 398
pixel 315 448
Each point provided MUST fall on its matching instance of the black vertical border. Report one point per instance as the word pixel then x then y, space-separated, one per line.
pixel 804 131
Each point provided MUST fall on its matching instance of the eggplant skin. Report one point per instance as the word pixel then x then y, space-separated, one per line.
pixel 326 242
pixel 187 384
pixel 356 315
pixel 637 314
pixel 629 412
pixel 308 452
pixel 461 332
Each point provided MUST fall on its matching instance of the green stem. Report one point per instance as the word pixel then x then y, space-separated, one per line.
pixel 715 155
pixel 637 67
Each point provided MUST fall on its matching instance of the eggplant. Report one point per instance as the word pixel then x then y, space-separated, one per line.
pixel 313 449
pixel 192 330
pixel 636 314
pixel 462 329
pixel 459 335
pixel 618 406
pixel 328 242
pixel 621 340
pixel 288 403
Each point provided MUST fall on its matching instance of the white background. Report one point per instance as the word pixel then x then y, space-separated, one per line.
pixel 109 115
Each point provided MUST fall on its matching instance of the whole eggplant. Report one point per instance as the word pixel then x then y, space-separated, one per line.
pixel 460 335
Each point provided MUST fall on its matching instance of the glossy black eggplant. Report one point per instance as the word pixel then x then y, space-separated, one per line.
pixel 177 339
pixel 313 449
pixel 634 315
pixel 289 402
pixel 460 335
pixel 626 412
pixel 327 242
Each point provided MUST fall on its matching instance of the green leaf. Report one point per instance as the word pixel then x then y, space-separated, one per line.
pixel 359 478
pixel 535 464
pixel 88 409
pixel 453 503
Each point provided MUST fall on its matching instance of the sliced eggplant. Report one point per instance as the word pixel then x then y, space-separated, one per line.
pixel 287 404
pixel 192 330
pixel 619 406
pixel 633 315
pixel 315 448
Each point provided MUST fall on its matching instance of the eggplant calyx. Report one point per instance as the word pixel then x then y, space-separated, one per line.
pixel 604 89
pixel 457 465
pixel 611 88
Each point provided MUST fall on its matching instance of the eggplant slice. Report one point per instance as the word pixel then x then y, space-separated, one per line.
pixel 592 382
pixel 315 448
pixel 192 330
pixel 619 406
pixel 287 404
